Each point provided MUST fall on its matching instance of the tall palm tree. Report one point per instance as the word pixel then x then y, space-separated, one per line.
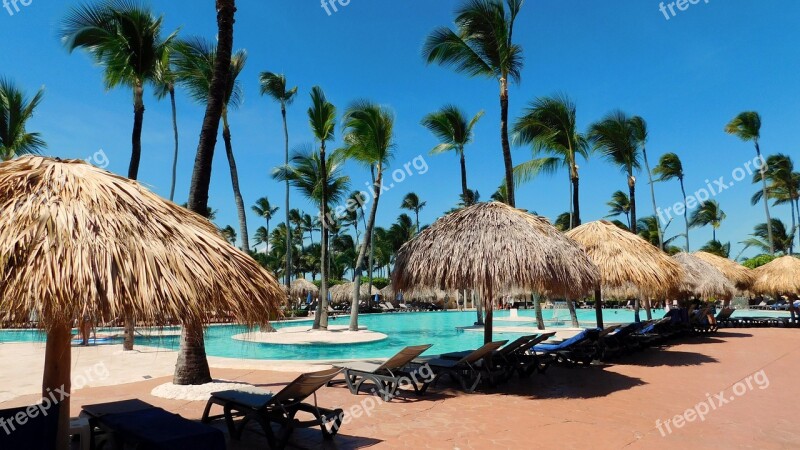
pixel 708 213
pixel 670 167
pixel 194 68
pixel 15 111
pixel 368 139
pixel 747 127
pixel 450 126
pixel 640 132
pixel 265 210
pixel 124 37
pixel 192 365
pixel 783 237
pixel 274 85
pixel 620 204
pixel 483 45
pixel 549 125
pixel 717 248
pixel 784 186
pixel 615 136
pixel 165 85
pixel 411 202
pixel 262 237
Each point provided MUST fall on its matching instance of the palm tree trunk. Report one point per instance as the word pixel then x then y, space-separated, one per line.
pixel 321 318
pixel 509 165
pixel 653 197
pixel 766 200
pixel 794 229
pixel 537 309
pixel 237 193
pixel 372 237
pixel 362 253
pixel 576 204
pixel 416 213
pixel 636 307
pixel 288 224
pixel 136 136
pixel 489 305
pixel 649 309
pixel 632 193
pixel 175 132
pixel 685 214
pixel 192 365
pixel 573 314
pixel 464 187
pixel 797 210
pixel 478 308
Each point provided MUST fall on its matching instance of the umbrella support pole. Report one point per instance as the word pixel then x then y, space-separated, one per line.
pixel 56 380
pixel 598 307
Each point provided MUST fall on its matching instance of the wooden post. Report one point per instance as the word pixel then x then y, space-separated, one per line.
pixel 598 307
pixel 487 327
pixel 56 379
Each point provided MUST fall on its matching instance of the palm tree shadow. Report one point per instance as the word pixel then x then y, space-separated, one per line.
pixel 559 382
pixel 668 359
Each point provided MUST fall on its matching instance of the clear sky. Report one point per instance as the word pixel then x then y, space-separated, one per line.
pixel 687 76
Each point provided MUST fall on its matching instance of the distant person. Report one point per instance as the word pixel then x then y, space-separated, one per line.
pixel 85 325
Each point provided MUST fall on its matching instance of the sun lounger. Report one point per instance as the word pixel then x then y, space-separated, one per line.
pixel 37 432
pixel 469 370
pixel 280 409
pixel 515 356
pixel 580 348
pixel 390 307
pixel 388 376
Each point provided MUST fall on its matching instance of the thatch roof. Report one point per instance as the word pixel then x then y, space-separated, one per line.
pixel 344 292
pixel 301 287
pixel 419 293
pixel 781 276
pixel 73 235
pixel 738 274
pixel 703 279
pixel 626 260
pixel 493 246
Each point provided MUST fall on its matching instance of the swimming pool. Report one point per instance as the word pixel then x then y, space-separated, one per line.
pixel 402 329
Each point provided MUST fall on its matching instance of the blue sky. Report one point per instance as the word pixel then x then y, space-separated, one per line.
pixel 687 76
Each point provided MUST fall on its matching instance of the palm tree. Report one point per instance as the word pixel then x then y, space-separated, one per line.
pixel 274 85
pixel 165 85
pixel 192 365
pixel 640 132
pixel 262 237
pixel 411 202
pixel 15 111
pixel 483 45
pixel 368 139
pixel 616 137
pixel 747 127
pixel 784 186
pixel 229 234
pixel 670 167
pixel 717 248
pixel 620 204
pixel 563 222
pixel 783 237
pixel 500 195
pixel 124 37
pixel 549 125
pixel 450 126
pixel 708 213
pixel 648 230
pixel 194 68
pixel 265 210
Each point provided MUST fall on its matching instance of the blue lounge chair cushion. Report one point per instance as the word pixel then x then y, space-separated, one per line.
pixel 37 433
pixel 157 429
pixel 561 346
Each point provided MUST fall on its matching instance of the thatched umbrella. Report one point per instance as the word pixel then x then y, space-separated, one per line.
pixel 703 279
pixel 738 274
pixel 301 287
pixel 626 260
pixel 781 276
pixel 493 248
pixel 73 236
pixel 344 292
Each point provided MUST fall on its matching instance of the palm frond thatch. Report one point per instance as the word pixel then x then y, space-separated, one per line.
pixel 738 274
pixel 627 260
pixel 493 247
pixel 301 287
pixel 76 236
pixel 703 279
pixel 781 276
pixel 344 292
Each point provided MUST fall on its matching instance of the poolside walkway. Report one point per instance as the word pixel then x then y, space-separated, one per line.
pixel 610 408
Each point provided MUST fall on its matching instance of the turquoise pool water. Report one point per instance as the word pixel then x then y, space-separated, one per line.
pixel 437 328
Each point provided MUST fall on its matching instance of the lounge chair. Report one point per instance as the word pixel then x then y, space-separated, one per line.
pixel 390 307
pixel 280 408
pixel 515 356
pixel 580 348
pixel 386 377
pixel 469 370
pixel 38 432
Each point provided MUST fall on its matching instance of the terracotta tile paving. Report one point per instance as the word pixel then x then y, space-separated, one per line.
pixel 612 407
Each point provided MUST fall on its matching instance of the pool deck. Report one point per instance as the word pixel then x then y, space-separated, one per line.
pixel 613 407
